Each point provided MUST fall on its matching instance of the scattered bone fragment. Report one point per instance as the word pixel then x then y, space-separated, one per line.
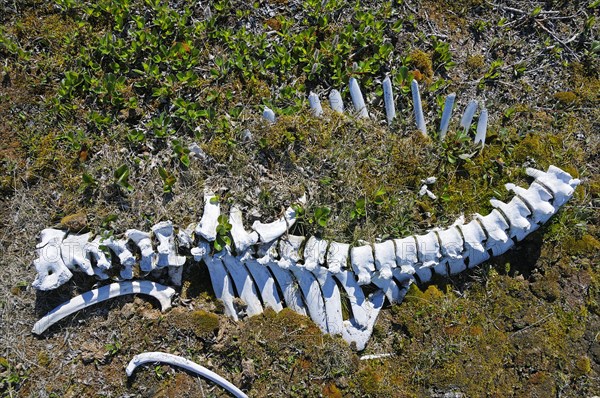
pixel 335 101
pixel 467 118
pixel 446 115
pixel 315 104
pixel 418 107
pixel 161 357
pixel 163 294
pixel 357 99
pixel 481 127
pixel 388 99
pixel 269 115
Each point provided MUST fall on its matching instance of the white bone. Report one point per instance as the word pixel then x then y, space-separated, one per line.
pixel 332 299
pixel 162 293
pixel 357 99
pixel 220 280
pixel 174 360
pixel 452 248
pixel 184 237
pixel 315 104
pixel 126 258
pixel 243 283
pixel 167 250
pixel 467 118
pixel 363 263
pixel 559 181
pixel 241 238
pixel 144 243
pixel 289 288
pixel 74 254
pixel 481 127
pixel 496 229
pixel 314 253
pixel 337 256
pixel 94 252
pixel 418 107
pixel 264 282
pixel 313 298
pixel 428 247
pixel 474 238
pixel 406 254
pixel 517 212
pixel 388 99
pixel 538 199
pixel 385 258
pixel 51 269
pixel 446 115
pixel 335 101
pixel 356 333
pixel 289 250
pixel 271 231
pixel 207 228
pixel 268 250
pixel 268 114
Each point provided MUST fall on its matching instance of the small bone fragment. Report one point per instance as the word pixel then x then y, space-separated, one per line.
pixel 314 253
pixel 363 263
pixel 126 258
pixel 144 243
pixel 73 251
pixel 271 231
pixel 337 257
pixel 268 114
pixel 315 104
pixel 467 118
pixel 241 238
pixel 51 269
pixel 162 293
pixel 429 180
pixel 446 115
pixel 357 99
pixel 243 283
pixel 150 357
pixel 385 258
pixel 418 107
pixel 335 101
pixel 264 282
pixel 207 228
pixel 481 127
pixel 375 356
pixel 388 99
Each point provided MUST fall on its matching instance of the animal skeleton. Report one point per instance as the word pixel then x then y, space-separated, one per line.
pixel 267 267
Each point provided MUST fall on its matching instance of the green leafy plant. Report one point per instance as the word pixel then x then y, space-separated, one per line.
pixel 181 152
pixel 168 180
pixel 360 209
pixel 121 175
pixel 223 228
pixel 321 215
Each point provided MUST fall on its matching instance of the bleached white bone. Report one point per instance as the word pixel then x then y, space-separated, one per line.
pixel 73 251
pixel 184 237
pixel 264 282
pixel 481 127
pixel 162 293
pixel 452 248
pixel 207 228
pixel 428 247
pixel 331 298
pixel 517 212
pixel 241 238
pixel 357 99
pixel 357 333
pixel 388 99
pixel 406 254
pixel 418 107
pixel 51 269
pixel 474 239
pixel 126 258
pixel 271 231
pixel 314 253
pixel 167 250
pixel 467 118
pixel 363 263
pixel 94 252
pixel 289 288
pixel 335 101
pixel 151 357
pixel 144 243
pixel 243 283
pixel 313 298
pixel 337 256
pixel 289 250
pixel 446 115
pixel 537 198
pixel 315 104
pixel 558 181
pixel 385 258
pixel 269 115
pixel 496 229
pixel 220 280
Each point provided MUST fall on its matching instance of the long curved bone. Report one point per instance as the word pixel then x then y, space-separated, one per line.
pixel 174 360
pixel 162 293
pixel 311 276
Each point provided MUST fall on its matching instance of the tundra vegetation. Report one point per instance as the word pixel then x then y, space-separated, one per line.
pixel 117 114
